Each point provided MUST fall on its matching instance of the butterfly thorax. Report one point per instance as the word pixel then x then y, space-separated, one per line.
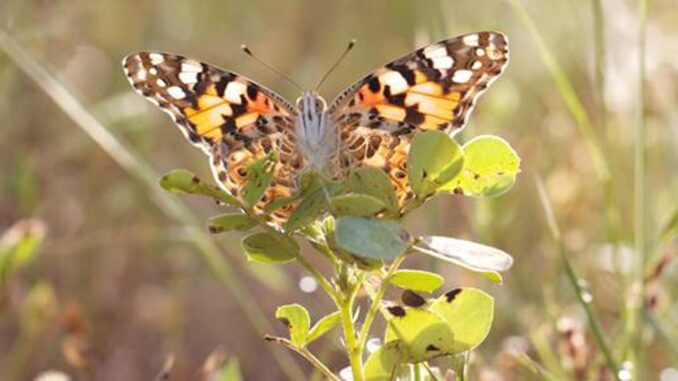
pixel 316 137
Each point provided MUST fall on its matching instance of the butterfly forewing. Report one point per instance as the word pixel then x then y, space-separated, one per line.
pixel 433 88
pixel 234 120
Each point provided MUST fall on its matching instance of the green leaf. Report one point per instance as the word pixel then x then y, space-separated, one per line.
pixel 229 222
pixel 259 176
pixel 322 326
pixel 356 205
pixel 372 238
pixel 471 255
pixel 19 245
pixel 424 334
pixel 490 168
pixel 310 208
pixel 491 275
pixel 469 313
pixel 185 181
pixel 434 159
pixel 384 363
pixel 296 318
pixel 416 280
pixel 374 182
pixel 270 248
pixel 231 371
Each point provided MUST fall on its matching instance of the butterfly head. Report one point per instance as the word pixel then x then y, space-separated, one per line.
pixel 313 129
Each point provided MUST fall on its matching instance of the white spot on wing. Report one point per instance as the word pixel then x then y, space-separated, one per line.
pixel 435 51
pixel 233 92
pixel 161 82
pixel 188 76
pixel 191 66
pixel 444 62
pixel 462 76
pixel 156 58
pixel 395 80
pixel 471 40
pixel 480 52
pixel 176 92
pixel 141 75
pixel 153 71
pixel 476 65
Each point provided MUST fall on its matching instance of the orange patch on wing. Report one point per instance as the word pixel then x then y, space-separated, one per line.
pixel 369 98
pixel 260 105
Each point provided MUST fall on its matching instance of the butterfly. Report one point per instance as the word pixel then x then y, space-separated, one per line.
pixel 237 121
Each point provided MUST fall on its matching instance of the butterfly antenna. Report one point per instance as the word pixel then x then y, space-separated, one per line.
pixel 247 51
pixel 350 46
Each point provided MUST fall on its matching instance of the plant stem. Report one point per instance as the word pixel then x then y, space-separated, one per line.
pixel 376 302
pixel 583 297
pixel 305 353
pixel 345 305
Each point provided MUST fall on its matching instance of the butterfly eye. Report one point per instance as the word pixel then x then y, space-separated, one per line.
pixel 320 104
pixel 299 102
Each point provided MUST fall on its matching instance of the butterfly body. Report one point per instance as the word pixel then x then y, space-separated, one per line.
pixel 315 132
pixel 372 123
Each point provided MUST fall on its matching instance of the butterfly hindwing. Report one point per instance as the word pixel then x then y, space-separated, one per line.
pixel 432 88
pixel 234 120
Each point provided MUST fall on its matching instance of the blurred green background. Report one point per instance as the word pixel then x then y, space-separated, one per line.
pixel 119 282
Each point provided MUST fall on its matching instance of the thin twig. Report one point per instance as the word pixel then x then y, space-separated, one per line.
pixel 376 301
pixel 305 353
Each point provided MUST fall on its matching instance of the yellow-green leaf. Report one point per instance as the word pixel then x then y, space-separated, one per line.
pixel 424 334
pixel 384 363
pixel 490 168
pixel 434 159
pixel 416 280
pixel 322 326
pixel 469 313
pixel 19 245
pixel 185 181
pixel 297 320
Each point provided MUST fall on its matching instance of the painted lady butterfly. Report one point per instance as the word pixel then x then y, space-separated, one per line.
pixel 237 121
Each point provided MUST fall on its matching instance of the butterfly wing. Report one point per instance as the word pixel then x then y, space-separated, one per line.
pixel 433 88
pixel 232 119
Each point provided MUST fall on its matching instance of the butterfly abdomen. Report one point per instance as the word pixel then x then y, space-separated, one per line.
pixel 316 136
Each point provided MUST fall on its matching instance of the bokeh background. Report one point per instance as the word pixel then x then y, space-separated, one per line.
pixel 127 275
